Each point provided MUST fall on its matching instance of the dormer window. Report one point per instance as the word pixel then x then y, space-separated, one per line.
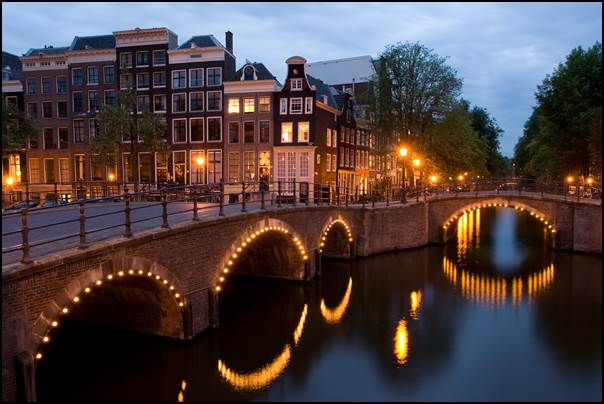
pixel 248 73
pixel 324 99
pixel 296 84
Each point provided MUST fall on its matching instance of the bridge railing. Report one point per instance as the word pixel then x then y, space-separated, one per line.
pixel 212 199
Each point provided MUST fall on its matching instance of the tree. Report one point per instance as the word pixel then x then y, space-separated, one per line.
pixel 121 122
pixel 17 127
pixel 488 130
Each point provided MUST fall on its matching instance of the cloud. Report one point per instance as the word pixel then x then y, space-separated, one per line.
pixel 501 50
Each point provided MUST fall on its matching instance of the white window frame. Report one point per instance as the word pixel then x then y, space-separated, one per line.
pixel 165 104
pixel 293 87
pixel 308 105
pixel 105 96
pixel 172 79
pixel 74 131
pixel 42 104
pixel 207 134
pixel 143 95
pixel 153 79
pixel 153 57
pixel 328 165
pixel 44 137
pixel 269 130
pixel 328 137
pixel 203 78
pixel 202 100
pixel 29 168
pixel 193 163
pixel 72 75
pixel 207 75
pixel 173 132
pixel 208 104
pixel 66 109
pixel 172 104
pixel 203 136
pixel 283 106
pixel 307 134
pixel 174 165
pixel 243 132
pixel 142 88
pixel 153 172
pixel 135 61
pixel 57 85
pixel 269 104
pixel 221 153
pixel 114 74
pixel 64 180
pixel 155 166
pixel 253 105
pixel 125 75
pixel 291 103
pixel 291 133
pixel 88 83
pixel 97 99
pixel 119 60
pixel 229 105
pixel 44 167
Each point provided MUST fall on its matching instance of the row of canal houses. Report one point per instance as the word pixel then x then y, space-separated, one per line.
pixel 223 123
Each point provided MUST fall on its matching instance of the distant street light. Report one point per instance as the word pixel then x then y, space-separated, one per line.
pixel 460 177
pixel 433 179
pixel 569 179
pixel 111 177
pixel 10 181
pixel 417 162
pixel 403 151
pixel 590 181
pixel 199 161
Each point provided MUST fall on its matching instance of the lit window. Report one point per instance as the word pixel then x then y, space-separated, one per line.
pixel 233 105
pixel 303 131
pixel 264 104
pixel 286 132
pixel 248 105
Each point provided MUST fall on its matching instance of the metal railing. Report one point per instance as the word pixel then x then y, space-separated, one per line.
pixel 214 198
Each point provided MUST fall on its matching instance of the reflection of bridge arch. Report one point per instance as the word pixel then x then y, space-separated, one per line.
pixel 328 227
pixel 333 316
pixel 118 272
pixel 496 291
pixel 265 375
pixel 246 241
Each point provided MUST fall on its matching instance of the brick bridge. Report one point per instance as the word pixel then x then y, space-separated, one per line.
pixel 166 281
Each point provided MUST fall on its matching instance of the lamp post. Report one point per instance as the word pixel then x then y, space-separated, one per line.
pixel 9 183
pixel 417 163
pixel 403 151
pixel 199 161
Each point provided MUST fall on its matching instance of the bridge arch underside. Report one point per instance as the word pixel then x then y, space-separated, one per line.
pixel 336 242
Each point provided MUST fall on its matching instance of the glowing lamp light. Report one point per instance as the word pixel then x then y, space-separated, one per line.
pixel 403 151
pixel 76 299
pixel 39 356
pixel 54 323
pixel 10 181
pixel 433 178
pixel 417 162
pixel 460 177
pixel 46 339
pixel 569 179
pixel 199 161
pixel 590 181
pixel 65 310
pixel 111 177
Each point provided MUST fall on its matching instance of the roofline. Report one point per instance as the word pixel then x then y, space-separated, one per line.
pixel 133 30
pixel 341 60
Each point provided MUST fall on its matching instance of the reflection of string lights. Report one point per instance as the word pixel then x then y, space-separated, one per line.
pixel 333 316
pixel 324 236
pixel 493 291
pixel 140 273
pixel 264 376
pixel 401 343
pixel 247 242
pixel 181 393
pixel 416 302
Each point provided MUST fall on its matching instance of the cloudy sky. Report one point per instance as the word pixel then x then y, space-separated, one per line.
pixel 501 50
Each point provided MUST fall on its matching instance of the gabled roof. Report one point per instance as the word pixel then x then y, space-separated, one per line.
pixel 322 89
pixel 12 65
pixel 343 71
pixel 47 51
pixel 93 42
pixel 201 41
pixel 262 73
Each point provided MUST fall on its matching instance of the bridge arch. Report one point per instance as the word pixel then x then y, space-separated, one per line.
pixel 122 272
pixel 323 242
pixel 249 238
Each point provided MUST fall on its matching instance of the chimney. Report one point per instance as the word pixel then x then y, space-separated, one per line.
pixel 229 41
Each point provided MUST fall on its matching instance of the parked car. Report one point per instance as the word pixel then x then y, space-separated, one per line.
pixel 51 203
pixel 23 205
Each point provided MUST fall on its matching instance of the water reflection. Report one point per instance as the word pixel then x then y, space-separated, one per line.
pixel 416 302
pixel 333 316
pixel 401 342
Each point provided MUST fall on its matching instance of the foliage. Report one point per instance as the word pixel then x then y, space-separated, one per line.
pixel 17 127
pixel 563 135
pixel 487 129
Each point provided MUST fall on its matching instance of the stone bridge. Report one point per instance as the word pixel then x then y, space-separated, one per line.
pixel 166 281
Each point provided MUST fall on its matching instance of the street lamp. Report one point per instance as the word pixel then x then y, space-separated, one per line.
pixel 111 177
pixel 10 181
pixel 569 179
pixel 590 181
pixel 403 151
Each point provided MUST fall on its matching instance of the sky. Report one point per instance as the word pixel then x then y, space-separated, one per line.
pixel 502 51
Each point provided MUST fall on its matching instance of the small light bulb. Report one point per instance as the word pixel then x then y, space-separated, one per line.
pixel 46 339
pixel 181 304
pixel 177 295
pixel 54 323
pixel 140 271
pixel 39 356
pixel 65 310
pixel 76 299
pixel 158 277
pixel 109 276
pixel 171 287
pixel 87 290
pixel 131 272
pixel 120 273
pixel 149 274
pixel 99 282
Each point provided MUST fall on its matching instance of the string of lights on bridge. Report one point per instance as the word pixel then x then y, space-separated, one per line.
pixel 537 216
pixel 180 301
pixel 333 223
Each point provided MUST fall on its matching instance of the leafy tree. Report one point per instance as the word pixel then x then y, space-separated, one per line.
pixel 487 129
pixel 17 127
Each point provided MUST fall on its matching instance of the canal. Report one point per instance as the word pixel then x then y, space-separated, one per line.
pixel 493 315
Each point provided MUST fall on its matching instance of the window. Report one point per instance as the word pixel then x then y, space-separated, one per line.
pixel 304 164
pixel 249 165
pixel 159 57
pixel 291 164
pixel 32 86
pixel 280 165
pixel 234 167
pixel 295 105
pixel 159 79
pixel 264 104
pixel 286 132
pixel 48 134
pixel 110 97
pixel 328 164
pixel 47 110
pixel 296 84
pixel 196 129
pixel 303 131
pixel 233 105
pixel 93 101
pixel 179 102
pixel 328 137
pixel 248 73
pixel 93 75
pixel 63 170
pixel 142 58
pixel 125 81
pixel 76 76
pixel 78 131
pixel 214 101
pixel 46 86
pixel 248 105
pixel 77 101
pixel 334 162
pixel 92 128
pixel 214 166
pixel 179 163
pixel 308 105
pixel 143 102
pixel 78 165
pixel 196 101
pixel 34 171
pixel 283 106
pixel 62 109
pixel 161 167
pixel 96 170
pixel 11 100
pixel 334 138
pixel 63 138
pixel 197 167
pixel 248 132
pixel 264 165
pixel 179 130
pixel 159 103
pixel 108 75
pixel 195 77
pixel 61 85
pixel 32 109
pixel 214 129
pixel 233 132
pixel 33 141
pixel 214 76
pixel 179 79
pixel 144 167
pixel 142 81
pixel 125 60
pixel 49 171
pixel 264 131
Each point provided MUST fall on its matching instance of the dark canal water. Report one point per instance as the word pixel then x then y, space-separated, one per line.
pixel 494 315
